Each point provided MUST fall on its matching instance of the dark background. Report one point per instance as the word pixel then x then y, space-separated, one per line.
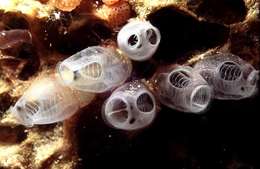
pixel 225 137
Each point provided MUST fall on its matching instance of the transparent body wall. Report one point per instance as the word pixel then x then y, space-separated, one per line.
pixel 95 69
pixel 130 107
pixel 230 76
pixel 139 40
pixel 47 101
pixel 183 89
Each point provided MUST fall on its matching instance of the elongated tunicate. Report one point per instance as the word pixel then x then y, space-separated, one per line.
pixel 15 37
pixel 46 101
pixel 130 107
pixel 95 69
pixel 183 90
pixel 230 76
pixel 139 40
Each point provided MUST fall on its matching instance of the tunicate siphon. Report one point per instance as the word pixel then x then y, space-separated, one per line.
pixel 139 40
pixel 184 90
pixel 130 107
pixel 95 69
pixel 230 76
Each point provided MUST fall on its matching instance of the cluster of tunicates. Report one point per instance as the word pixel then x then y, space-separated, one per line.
pixel 73 86
pixel 133 104
pixel 221 76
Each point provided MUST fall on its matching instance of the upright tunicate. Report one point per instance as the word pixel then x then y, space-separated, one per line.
pixel 130 107
pixel 139 40
pixel 184 90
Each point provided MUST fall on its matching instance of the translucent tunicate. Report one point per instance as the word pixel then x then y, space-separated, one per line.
pixel 230 76
pixel 139 40
pixel 46 101
pixel 95 69
pixel 183 90
pixel 130 107
pixel 14 38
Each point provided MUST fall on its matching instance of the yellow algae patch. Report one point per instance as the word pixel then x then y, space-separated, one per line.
pixel 146 7
pixel 9 156
pixel 4 87
pixel 32 8
pixel 47 146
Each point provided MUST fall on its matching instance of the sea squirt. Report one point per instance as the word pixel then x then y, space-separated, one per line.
pixel 47 101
